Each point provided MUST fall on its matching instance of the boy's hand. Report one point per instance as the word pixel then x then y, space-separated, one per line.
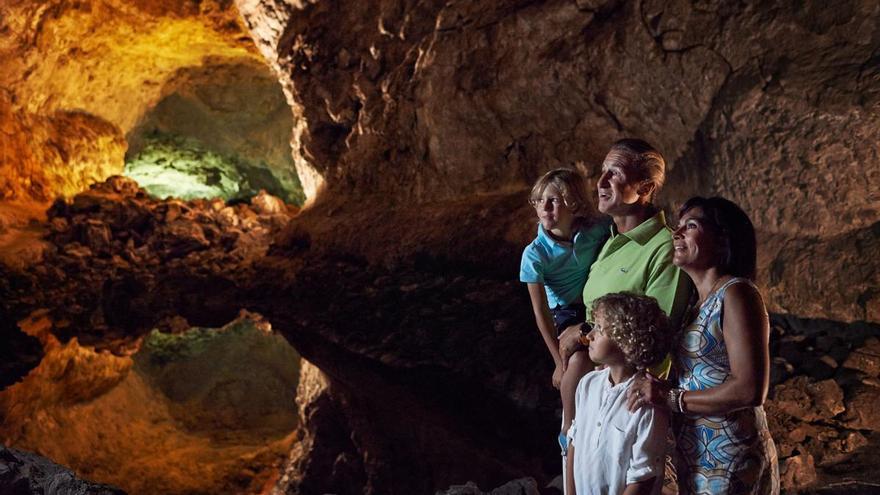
pixel 557 376
pixel 569 343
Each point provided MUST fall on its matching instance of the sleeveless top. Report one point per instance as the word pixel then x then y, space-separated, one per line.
pixel 726 454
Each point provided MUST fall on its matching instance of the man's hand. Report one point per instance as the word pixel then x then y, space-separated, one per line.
pixel 569 343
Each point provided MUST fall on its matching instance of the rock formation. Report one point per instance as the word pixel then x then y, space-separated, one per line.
pixel 23 473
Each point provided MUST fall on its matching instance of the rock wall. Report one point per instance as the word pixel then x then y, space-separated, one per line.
pixel 773 106
pixel 79 75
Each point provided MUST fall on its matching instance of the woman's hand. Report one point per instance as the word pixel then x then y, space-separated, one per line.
pixel 646 389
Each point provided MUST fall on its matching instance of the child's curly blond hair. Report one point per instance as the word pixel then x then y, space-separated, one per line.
pixel 637 325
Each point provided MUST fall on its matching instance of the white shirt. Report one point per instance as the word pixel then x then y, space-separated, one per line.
pixel 612 446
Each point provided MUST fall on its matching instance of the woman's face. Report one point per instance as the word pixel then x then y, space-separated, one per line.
pixel 618 186
pixel 695 241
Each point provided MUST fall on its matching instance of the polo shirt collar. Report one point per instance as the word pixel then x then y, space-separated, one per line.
pixel 646 230
pixel 549 241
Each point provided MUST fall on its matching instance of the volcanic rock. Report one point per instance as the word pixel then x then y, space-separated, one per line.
pixel 861 407
pixel 24 473
pixel 797 472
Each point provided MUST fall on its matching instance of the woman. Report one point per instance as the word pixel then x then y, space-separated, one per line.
pixel 722 361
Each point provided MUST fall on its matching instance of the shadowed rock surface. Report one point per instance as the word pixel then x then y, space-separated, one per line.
pixel 23 473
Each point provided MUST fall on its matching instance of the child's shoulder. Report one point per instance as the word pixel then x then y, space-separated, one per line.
pixel 595 227
pixel 593 378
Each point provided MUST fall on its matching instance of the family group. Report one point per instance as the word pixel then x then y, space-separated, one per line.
pixel 659 335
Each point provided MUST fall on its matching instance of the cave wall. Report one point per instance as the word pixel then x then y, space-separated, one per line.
pixel 772 105
pixel 77 76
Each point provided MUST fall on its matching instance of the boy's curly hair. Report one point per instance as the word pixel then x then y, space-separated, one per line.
pixel 637 325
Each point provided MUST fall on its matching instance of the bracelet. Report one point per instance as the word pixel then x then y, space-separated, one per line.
pixel 674 400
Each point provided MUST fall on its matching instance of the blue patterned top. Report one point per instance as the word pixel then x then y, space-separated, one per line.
pixel 726 454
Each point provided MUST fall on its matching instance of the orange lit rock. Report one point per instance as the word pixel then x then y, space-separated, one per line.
pixel 809 401
pixel 77 77
pixel 866 358
pixel 862 411
pixel 798 472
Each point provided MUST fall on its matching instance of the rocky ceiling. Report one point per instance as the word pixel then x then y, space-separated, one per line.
pixel 84 81
pixel 417 128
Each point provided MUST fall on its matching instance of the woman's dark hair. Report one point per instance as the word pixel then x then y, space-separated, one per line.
pixel 735 230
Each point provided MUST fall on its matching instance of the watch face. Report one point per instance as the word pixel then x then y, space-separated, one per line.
pixel 586 327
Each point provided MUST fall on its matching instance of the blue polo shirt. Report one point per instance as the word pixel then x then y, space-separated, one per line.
pixel 562 267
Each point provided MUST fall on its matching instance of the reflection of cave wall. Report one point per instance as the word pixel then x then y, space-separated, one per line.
pixel 209 411
pixel 234 110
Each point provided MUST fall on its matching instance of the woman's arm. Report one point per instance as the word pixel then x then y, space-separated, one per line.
pixel 545 325
pixel 569 470
pixel 746 333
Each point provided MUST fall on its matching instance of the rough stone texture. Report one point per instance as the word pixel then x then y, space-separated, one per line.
pixel 866 358
pixel 234 109
pixel 45 156
pixel 766 104
pixel 79 76
pixel 798 472
pixel 20 353
pixel 524 486
pixel 810 401
pixel 24 473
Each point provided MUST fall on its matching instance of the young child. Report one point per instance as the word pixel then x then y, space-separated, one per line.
pixel 555 266
pixel 611 450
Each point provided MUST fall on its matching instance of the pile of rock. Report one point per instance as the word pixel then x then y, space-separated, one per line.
pixel 823 404
pixel 24 473
pixel 115 221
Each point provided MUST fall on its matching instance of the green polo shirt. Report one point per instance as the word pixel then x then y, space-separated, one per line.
pixel 640 261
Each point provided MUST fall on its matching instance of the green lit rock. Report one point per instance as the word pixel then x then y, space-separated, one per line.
pixel 225 127
pixel 184 168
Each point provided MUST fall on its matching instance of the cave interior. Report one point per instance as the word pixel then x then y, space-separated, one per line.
pixel 271 247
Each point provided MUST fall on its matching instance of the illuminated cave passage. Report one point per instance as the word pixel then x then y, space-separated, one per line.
pixel 205 411
pixel 221 130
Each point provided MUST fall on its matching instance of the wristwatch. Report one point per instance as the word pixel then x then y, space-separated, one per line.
pixel 586 328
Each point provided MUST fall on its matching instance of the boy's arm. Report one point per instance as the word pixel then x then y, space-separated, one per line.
pixel 648 455
pixel 545 324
